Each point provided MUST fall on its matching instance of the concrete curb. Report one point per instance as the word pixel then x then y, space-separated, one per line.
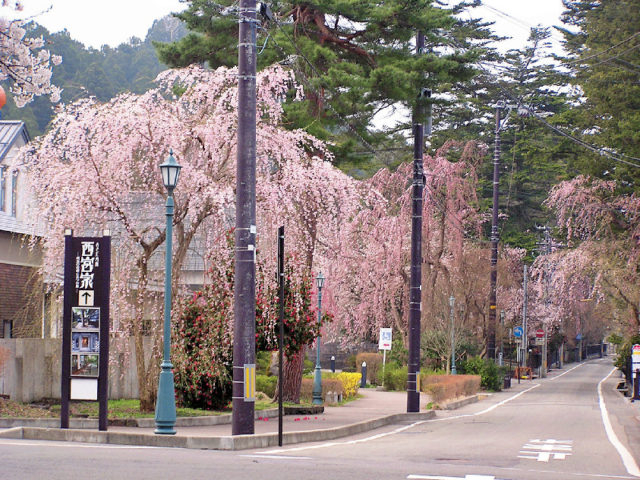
pixel 455 404
pixel 237 442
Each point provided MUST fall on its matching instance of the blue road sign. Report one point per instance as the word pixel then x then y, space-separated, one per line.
pixel 517 331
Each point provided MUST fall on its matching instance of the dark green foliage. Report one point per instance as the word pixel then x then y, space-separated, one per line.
pixel 203 352
pixel 395 377
pixel 89 72
pixel 263 363
pixel 603 61
pixel 353 57
pixel 266 385
pixel 490 374
pixel 623 360
pixel 399 353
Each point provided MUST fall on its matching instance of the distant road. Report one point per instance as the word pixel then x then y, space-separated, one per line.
pixel 560 428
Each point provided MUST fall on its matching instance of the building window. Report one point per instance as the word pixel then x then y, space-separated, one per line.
pixel 3 188
pixel 14 193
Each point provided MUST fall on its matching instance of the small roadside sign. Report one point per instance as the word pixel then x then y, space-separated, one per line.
pixel 540 333
pixel 517 332
pixel 635 357
pixel 385 339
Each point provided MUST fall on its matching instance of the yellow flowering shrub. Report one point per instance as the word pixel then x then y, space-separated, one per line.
pixel 350 382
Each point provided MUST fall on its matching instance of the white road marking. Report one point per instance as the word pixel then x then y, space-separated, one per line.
pixel 398 430
pixel 545 450
pixel 276 457
pixel 627 459
pixel 564 373
pixel 440 477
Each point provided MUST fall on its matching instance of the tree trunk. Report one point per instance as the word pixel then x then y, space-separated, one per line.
pixel 291 378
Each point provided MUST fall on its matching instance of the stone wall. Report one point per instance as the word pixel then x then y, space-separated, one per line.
pixel 32 368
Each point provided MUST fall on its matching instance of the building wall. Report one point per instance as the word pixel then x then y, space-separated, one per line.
pixel 17 296
pixel 32 367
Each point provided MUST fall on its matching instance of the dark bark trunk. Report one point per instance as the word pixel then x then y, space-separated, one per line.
pixel 291 378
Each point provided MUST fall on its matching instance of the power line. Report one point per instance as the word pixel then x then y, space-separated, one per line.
pixel 578 60
pixel 600 151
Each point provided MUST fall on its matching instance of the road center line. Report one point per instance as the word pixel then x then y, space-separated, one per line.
pixel 627 459
pixel 399 429
pixel 564 373
pixel 276 457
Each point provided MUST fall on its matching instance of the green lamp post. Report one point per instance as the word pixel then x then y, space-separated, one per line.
pixel 166 402
pixel 317 379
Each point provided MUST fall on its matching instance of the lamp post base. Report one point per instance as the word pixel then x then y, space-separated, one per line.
pixel 317 386
pixel 166 403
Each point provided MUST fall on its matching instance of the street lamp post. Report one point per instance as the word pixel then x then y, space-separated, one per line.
pixel 317 379
pixel 166 402
pixel 452 302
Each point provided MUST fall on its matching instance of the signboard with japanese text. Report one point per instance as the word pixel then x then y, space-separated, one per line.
pixel 85 332
pixel 385 339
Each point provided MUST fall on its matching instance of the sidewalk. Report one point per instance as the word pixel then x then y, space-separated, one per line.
pixel 374 410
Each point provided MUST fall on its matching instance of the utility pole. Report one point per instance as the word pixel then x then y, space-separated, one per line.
pixel 415 293
pixel 491 330
pixel 547 247
pixel 244 293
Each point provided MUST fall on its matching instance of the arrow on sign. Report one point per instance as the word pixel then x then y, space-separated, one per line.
pixel 85 298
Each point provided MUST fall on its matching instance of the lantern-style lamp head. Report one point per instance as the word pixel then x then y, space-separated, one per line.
pixel 320 281
pixel 170 172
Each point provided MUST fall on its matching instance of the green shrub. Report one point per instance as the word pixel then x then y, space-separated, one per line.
pixel 308 366
pixel 491 375
pixel 267 385
pixel 203 349
pixel 263 363
pixel 395 378
pixel 399 353
pixel 374 361
pixel 350 363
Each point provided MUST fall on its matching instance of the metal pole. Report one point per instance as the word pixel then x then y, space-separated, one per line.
pixel 281 330
pixel 491 330
pixel 415 295
pixel 245 234
pixel 166 403
pixel 452 302
pixel 65 385
pixel 317 379
pixel 501 338
pixel 525 338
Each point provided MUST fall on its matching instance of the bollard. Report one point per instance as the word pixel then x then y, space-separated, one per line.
pixel 636 386
pixel 363 380
pixel 333 363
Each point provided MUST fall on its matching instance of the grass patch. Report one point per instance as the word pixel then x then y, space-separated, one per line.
pixel 123 408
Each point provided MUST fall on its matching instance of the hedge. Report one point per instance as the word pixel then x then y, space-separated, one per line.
pixel 448 387
pixel 374 363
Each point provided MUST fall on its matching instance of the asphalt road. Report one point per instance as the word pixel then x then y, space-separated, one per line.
pixel 560 428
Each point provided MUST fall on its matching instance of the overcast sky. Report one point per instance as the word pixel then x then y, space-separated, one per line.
pixel 112 22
